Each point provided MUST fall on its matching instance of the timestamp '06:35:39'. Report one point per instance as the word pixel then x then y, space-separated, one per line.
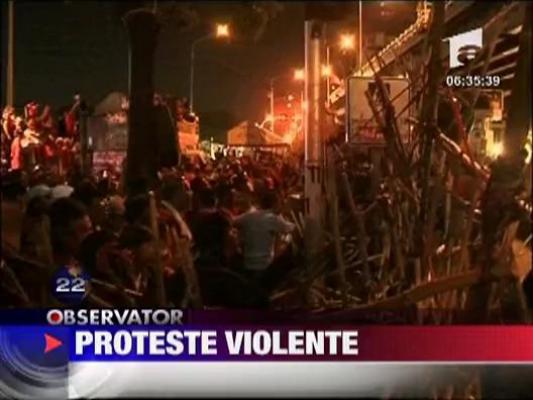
pixel 473 81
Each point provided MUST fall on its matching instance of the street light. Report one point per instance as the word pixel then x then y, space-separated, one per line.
pixel 299 75
pixel 496 150
pixel 221 31
pixel 360 41
pixel 347 42
pixel 326 71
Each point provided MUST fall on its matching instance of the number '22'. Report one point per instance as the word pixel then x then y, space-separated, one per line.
pixel 65 285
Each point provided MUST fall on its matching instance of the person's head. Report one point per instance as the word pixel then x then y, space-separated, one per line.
pixel 70 225
pixel 8 112
pixel 138 186
pixel 86 192
pixel 37 207
pixel 206 198
pixel 19 124
pixel 268 200
pixel 104 186
pixel 226 197
pixel 32 124
pixel 176 193
pixel 37 176
pixel 114 214
pixel 521 157
pixel 138 210
pixel 89 248
pixel 140 241
pixel 13 190
pixel 13 186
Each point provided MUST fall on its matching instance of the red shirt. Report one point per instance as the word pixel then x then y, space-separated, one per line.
pixel 16 154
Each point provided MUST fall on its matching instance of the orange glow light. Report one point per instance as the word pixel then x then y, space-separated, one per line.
pixel 347 42
pixel 222 30
pixel 299 74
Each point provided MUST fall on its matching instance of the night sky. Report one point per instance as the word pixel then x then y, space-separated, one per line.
pixel 68 46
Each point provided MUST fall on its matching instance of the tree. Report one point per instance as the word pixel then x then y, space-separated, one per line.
pixel 249 20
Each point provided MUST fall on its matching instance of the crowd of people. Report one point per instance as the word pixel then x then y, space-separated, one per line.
pixel 35 137
pixel 209 233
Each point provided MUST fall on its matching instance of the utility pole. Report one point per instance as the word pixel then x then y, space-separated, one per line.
pixel 142 158
pixel 328 78
pixel 84 138
pixel 519 116
pixel 360 39
pixel 191 81
pixel 272 115
pixel 222 32
pixel 313 116
pixel 10 95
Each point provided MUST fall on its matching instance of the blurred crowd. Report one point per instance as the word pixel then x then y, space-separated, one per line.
pixel 36 137
pixel 212 232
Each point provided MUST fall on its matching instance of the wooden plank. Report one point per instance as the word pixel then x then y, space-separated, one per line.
pixel 418 293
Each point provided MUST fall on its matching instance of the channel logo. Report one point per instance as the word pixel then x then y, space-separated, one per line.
pixel 114 317
pixel 464 47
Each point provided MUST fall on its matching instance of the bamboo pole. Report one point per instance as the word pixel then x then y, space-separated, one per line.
pixel 429 107
pixel 519 118
pixel 159 284
pixel 111 286
pixel 154 226
pixel 15 284
pixel 358 217
pixel 436 194
pixel 422 292
pixel 395 239
pixel 341 267
pixel 331 186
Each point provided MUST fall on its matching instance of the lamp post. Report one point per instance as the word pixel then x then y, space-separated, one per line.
pixel 360 39
pixel 10 92
pixel 299 75
pixel 272 116
pixel 222 31
pixel 326 72
pixel 347 44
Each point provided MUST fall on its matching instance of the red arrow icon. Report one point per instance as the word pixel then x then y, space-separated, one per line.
pixel 52 343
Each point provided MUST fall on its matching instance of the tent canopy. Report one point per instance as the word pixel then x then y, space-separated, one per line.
pixel 111 104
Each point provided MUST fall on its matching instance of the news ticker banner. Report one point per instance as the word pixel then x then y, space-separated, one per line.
pixel 178 335
pixel 50 345
pixel 76 351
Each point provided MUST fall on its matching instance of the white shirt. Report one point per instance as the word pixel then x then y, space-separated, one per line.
pixel 61 191
pixel 258 230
